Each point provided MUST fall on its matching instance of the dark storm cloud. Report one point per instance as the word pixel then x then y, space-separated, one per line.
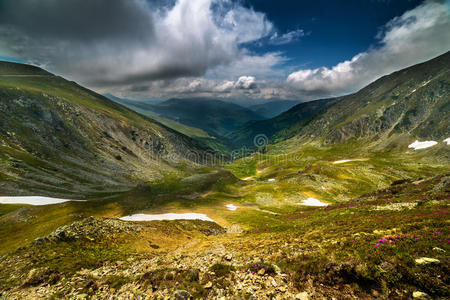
pixel 121 42
pixel 80 21
pixel 161 73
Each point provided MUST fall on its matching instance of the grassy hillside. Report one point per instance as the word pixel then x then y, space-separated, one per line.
pixel 273 108
pixel 57 137
pixel 16 69
pixel 379 229
pixel 213 116
pixel 145 108
pixel 280 127
pixel 413 102
pixel 408 104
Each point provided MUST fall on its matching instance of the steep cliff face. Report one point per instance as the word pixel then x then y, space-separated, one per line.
pixel 414 102
pixel 58 137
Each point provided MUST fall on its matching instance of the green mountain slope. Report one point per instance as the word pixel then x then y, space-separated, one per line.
pixel 281 127
pixel 144 108
pixel 273 108
pixel 59 138
pixel 405 105
pixel 215 117
pixel 413 102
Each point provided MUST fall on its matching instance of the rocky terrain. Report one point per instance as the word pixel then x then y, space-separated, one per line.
pixel 58 137
pixel 341 210
pixel 370 247
pixel 411 103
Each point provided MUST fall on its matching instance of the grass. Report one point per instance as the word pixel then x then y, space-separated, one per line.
pixel 359 243
pixel 307 171
pixel 221 270
pixel 335 245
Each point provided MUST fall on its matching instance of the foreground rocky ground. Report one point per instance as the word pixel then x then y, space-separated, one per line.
pixel 392 243
pixel 208 266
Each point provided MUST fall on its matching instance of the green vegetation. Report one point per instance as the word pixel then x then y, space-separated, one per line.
pixel 58 138
pixel 221 270
pixel 382 231
pixel 215 117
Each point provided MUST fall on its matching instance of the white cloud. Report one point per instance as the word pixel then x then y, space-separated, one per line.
pixel 417 35
pixel 185 39
pixel 286 38
pixel 199 48
pixel 245 83
pixel 225 86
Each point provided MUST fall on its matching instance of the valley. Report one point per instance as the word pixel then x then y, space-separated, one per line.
pixel 332 204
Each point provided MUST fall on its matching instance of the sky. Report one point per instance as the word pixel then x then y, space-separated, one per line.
pixel 238 50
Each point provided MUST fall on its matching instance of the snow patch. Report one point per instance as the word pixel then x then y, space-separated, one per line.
pixel 169 216
pixel 231 207
pixel 341 161
pixel 271 180
pixel 347 160
pixel 422 145
pixel 33 200
pixel 447 141
pixel 313 202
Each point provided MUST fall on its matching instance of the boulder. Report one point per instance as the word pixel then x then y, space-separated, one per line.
pixel 302 296
pixel 419 295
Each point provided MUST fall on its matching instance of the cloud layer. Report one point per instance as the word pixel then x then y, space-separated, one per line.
pixel 417 35
pixel 129 41
pixel 181 48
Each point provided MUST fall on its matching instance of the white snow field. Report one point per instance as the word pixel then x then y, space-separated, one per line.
pixel 33 200
pixel 313 202
pixel 169 216
pixel 422 145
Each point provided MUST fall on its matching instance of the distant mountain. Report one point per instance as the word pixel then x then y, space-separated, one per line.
pixel 215 117
pixel 145 108
pixel 281 127
pixel 58 138
pixel 407 104
pixel 135 102
pixel 273 108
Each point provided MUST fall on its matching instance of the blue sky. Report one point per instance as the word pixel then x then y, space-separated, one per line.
pixel 335 30
pixel 228 49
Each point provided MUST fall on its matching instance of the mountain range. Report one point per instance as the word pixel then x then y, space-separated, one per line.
pixel 334 200
pixel 213 116
pixel 273 108
pixel 60 138
pixel 411 102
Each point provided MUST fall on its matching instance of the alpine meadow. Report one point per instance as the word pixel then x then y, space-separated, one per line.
pixel 224 149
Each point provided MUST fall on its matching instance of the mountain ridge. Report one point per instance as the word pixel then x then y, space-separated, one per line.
pixel 412 101
pixel 214 116
pixel 389 106
pixel 59 138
